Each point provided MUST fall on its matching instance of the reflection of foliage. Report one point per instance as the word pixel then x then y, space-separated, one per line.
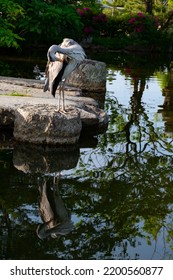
pixel 163 78
pixel 139 155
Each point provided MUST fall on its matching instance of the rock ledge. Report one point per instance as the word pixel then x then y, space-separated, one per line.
pixel 43 124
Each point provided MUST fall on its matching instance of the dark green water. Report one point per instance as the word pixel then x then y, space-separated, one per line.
pixel 109 198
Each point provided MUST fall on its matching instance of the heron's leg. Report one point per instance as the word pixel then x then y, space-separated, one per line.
pixel 63 100
pixel 63 104
pixel 59 101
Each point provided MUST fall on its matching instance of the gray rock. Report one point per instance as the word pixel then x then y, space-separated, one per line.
pixel 89 76
pixel 94 120
pixel 6 117
pixel 43 124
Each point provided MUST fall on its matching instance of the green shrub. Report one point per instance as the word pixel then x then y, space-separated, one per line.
pixel 9 13
pixel 143 26
pixel 47 23
pixel 93 23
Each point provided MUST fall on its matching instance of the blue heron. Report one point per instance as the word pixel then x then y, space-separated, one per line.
pixel 63 59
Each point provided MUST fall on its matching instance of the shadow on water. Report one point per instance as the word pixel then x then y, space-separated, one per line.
pixel 109 199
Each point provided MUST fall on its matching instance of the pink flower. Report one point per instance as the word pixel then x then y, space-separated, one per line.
pixel 80 12
pixel 87 9
pixel 139 29
pixel 88 29
pixel 132 20
pixel 140 14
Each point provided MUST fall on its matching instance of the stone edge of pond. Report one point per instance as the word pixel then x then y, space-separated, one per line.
pixel 16 93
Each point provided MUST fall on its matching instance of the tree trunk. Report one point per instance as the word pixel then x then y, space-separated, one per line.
pixel 149 6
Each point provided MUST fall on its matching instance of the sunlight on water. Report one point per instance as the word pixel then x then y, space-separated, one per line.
pixel 122 88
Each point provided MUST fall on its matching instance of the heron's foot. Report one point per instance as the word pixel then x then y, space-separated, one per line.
pixel 62 110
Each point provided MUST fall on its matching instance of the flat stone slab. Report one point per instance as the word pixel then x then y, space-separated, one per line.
pixel 17 94
pixel 43 124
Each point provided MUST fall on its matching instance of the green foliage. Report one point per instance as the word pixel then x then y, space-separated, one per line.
pixel 118 7
pixel 170 4
pixel 7 37
pixel 9 13
pixel 46 23
pixel 94 5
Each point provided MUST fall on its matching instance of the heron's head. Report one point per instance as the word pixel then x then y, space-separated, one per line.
pixel 68 42
pixel 52 54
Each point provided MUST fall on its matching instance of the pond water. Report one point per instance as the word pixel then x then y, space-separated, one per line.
pixel 110 197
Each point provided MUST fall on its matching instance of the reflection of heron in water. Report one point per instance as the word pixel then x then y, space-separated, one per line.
pixel 63 59
pixel 55 216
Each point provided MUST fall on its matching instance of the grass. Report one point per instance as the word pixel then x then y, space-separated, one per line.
pixel 15 93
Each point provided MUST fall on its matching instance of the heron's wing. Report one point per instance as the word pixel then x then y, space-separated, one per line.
pixel 54 75
pixel 45 208
pixel 58 78
pixel 74 51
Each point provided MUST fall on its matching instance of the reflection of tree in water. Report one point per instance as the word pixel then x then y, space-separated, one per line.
pixel 136 109
pixel 136 176
pixel 167 108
